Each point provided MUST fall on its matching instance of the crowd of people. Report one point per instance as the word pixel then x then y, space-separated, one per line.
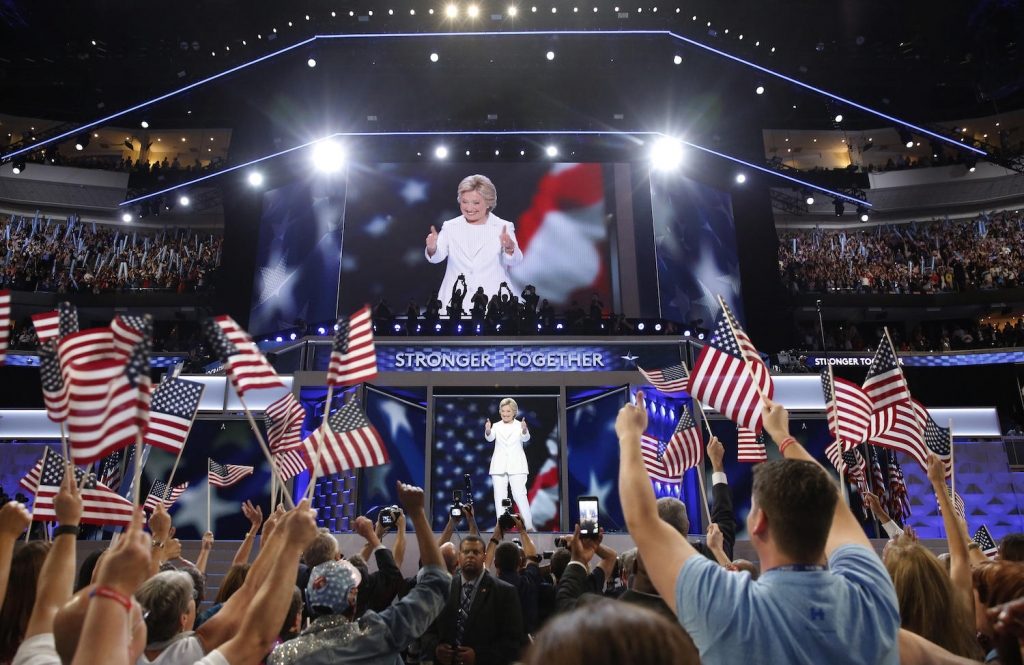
pixel 929 336
pixel 76 257
pixel 934 257
pixel 117 163
pixel 818 593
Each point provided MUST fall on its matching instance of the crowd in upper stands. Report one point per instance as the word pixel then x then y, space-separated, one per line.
pixel 933 257
pixel 819 593
pixel 75 257
pixel 937 336
pixel 126 164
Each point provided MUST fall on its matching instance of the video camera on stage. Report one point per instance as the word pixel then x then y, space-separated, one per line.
pixel 505 520
pixel 388 514
pixel 456 510
pixel 469 489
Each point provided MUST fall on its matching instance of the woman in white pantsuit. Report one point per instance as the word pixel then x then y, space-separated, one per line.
pixel 508 463
pixel 477 244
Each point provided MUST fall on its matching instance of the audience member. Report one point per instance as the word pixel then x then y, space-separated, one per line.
pixel 995 583
pixel 521 570
pixel 1011 547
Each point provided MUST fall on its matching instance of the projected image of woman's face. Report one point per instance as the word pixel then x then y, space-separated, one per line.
pixel 473 206
pixel 507 414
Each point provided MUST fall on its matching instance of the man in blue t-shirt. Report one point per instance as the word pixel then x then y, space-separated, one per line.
pixel 824 595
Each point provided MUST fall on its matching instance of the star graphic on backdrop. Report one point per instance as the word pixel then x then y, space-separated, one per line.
pixel 732 280
pixel 587 410
pixel 630 358
pixel 274 279
pixel 378 226
pixel 707 300
pixel 413 256
pixel 398 418
pixel 414 191
pixel 598 489
pixel 191 507
pixel 377 480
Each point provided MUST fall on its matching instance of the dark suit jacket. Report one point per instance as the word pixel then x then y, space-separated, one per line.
pixel 378 589
pixel 722 515
pixel 494 629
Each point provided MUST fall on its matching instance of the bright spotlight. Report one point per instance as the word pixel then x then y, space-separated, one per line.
pixel 686 333
pixel 558 326
pixel 473 11
pixel 551 151
pixel 512 11
pixel 126 217
pixel 451 11
pixel 667 154
pixel 441 152
pixel 433 57
pixel 678 60
pixel 255 178
pixel 862 212
pixel 640 326
pixel 278 339
pixel 322 330
pixel 864 217
pixel 740 178
pixel 328 156
pixel 437 327
pixel 839 117
pixel 292 337
pixel 145 124
pixel 311 62
pixel 398 327
pixel 657 326
pixel 184 200
pixel 551 55
pixel 759 89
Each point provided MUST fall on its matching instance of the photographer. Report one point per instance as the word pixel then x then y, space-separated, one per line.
pixel 378 589
pixel 509 566
pixel 577 579
pixel 449 528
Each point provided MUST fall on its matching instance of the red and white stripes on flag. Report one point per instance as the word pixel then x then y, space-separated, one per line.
pixel 353 356
pixel 89 345
pixel 156 495
pixel 127 330
pixel 750 447
pixel 226 475
pixel 290 463
pixel 243 362
pixel 55 390
pixel 847 405
pixel 885 385
pixel 349 442
pixel 653 452
pixel 910 428
pixel 172 409
pixel 958 503
pixel 849 462
pixel 30 483
pixel 5 323
pixel 984 538
pixel 685 449
pixel 898 490
pixel 878 484
pixel 284 424
pixel 46 325
pixel 674 379
pixel 100 505
pixel 729 375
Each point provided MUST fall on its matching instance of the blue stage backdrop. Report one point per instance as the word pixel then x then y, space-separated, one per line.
pixel 562 215
pixel 226 442
pixel 402 424
pixel 593 454
pixel 460 448
pixel 695 242
pixel 298 258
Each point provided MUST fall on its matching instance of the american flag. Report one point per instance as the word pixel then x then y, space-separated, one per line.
pixel 156 495
pixel 721 377
pixel 30 483
pixel 110 471
pixel 902 430
pixel 353 357
pixel 885 384
pixel 849 462
pixel 750 446
pixel 349 441
pixel 55 391
pixel 244 363
pixel 174 405
pixel 672 379
pixel 127 330
pixel 100 505
pixel 67 320
pixel 847 405
pixel 108 404
pixel 685 449
pixel 898 490
pixel 85 346
pixel 226 475
pixel 284 424
pixel 46 325
pixel 654 460
pixel 958 503
pixel 984 538
pixel 5 323
pixel 290 463
pixel 878 484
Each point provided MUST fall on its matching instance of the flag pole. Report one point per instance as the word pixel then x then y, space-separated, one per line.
pixel 746 361
pixel 952 465
pixel 917 420
pixel 263 444
pixel 208 485
pixel 839 443
pixel 320 449
pixel 273 489
pixel 138 468
pixel 702 473
pixel 170 481
pixel 64 443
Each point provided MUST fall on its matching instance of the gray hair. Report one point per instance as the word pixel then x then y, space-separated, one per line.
pixel 483 186
pixel 166 596
pixel 626 560
pixel 673 511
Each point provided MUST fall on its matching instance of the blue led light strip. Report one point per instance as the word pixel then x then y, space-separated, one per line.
pixel 737 160
pixel 515 33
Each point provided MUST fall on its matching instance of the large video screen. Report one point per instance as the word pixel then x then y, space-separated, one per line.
pixel 562 216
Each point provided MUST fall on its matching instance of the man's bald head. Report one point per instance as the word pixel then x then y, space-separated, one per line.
pixel 68 622
pixel 450 554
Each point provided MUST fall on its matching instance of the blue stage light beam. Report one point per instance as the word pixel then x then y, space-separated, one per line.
pixel 737 160
pixel 513 33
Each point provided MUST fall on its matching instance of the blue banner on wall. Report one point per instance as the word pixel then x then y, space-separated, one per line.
pixel 920 360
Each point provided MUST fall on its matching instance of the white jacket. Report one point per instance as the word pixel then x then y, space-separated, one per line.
pixel 508 454
pixel 487 267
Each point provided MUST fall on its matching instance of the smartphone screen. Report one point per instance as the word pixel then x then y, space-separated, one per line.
pixel 588 517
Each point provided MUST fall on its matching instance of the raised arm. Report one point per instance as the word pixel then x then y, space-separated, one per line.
pixel 467 510
pixel 449 529
pixel 365 528
pixel 398 549
pixel 959 556
pixel 255 516
pixel 721 497
pixel 57 576
pixel 845 527
pixel 492 545
pixel 656 540
pixel 891 528
pixel 716 545
pixel 14 519
pixel 529 548
pixel 204 552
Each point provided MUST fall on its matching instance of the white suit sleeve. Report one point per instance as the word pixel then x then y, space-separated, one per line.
pixel 517 256
pixel 892 528
pixel 523 438
pixel 442 248
pixel 489 436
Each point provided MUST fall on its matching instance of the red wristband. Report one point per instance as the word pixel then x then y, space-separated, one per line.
pixel 786 443
pixel 107 592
